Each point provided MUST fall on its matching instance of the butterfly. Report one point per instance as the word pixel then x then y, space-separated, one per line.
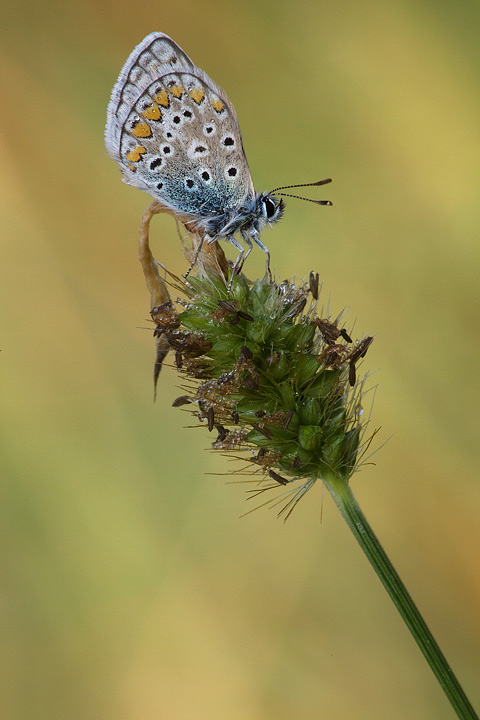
pixel 175 135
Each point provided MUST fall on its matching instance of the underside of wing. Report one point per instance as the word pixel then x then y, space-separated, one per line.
pixel 155 54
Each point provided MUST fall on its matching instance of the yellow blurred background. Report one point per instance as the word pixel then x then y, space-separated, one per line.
pixel 130 589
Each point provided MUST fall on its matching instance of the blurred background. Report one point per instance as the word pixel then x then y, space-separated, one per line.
pixel 130 589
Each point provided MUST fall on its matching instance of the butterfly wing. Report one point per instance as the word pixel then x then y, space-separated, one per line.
pixel 175 134
pixel 154 52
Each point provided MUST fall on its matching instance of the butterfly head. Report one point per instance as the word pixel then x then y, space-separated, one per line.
pixel 268 208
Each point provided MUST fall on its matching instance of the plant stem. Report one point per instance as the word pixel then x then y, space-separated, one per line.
pixel 355 519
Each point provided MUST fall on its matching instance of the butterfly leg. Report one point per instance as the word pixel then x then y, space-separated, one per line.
pixel 195 258
pixel 238 264
pixel 240 261
pixel 256 239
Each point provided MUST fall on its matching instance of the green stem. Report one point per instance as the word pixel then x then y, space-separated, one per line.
pixel 370 545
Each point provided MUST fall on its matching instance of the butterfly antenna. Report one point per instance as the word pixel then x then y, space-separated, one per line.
pixel 288 187
pixel 299 197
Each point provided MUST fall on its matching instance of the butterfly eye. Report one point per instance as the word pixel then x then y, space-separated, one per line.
pixel 270 207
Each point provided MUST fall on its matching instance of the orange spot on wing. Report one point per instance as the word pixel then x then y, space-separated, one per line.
pixel 136 154
pixel 176 91
pixel 141 130
pixel 162 98
pixel 218 105
pixel 197 95
pixel 152 112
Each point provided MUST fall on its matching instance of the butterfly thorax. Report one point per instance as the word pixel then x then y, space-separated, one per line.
pixel 251 217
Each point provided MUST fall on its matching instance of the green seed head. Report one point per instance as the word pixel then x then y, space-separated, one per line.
pixel 271 377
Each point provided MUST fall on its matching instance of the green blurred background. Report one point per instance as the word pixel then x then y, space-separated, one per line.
pixel 130 589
